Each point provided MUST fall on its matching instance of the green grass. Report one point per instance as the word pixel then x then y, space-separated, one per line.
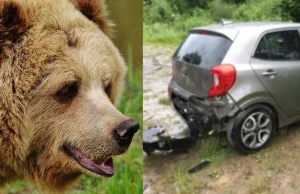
pixel 171 34
pixel 129 167
pixel 207 149
pixel 163 100
pixel 260 187
pixel 211 150
pixel 185 183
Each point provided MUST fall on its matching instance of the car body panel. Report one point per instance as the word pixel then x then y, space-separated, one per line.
pixel 192 77
pixel 283 87
pixel 250 88
pixel 251 28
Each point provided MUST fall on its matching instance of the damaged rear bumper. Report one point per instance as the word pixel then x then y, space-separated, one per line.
pixel 203 117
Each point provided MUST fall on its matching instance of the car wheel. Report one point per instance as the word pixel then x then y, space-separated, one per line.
pixel 252 129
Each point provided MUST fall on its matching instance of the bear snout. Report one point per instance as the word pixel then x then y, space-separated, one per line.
pixel 125 131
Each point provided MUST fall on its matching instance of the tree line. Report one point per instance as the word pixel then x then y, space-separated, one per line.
pixel 169 10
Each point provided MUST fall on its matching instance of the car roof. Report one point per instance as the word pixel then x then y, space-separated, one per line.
pixel 231 29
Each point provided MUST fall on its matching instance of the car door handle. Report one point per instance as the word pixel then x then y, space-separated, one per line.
pixel 269 73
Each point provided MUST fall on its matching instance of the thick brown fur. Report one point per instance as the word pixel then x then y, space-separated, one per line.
pixel 13 24
pixel 44 46
pixel 95 12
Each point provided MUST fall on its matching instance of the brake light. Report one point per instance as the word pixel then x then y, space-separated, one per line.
pixel 202 32
pixel 224 76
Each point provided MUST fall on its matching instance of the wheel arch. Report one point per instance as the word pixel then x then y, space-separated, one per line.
pixel 275 113
pixel 281 118
pixel 274 110
pixel 232 132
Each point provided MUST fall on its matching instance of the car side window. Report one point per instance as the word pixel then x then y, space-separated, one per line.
pixel 262 50
pixel 283 45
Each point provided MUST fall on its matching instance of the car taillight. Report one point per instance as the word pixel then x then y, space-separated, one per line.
pixel 224 76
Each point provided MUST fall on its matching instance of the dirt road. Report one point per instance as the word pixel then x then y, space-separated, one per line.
pixel 274 170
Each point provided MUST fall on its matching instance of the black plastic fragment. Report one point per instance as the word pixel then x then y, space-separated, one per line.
pixel 151 132
pixel 153 141
pixel 168 145
pixel 199 166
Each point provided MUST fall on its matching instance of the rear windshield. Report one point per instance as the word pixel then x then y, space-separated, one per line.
pixel 205 50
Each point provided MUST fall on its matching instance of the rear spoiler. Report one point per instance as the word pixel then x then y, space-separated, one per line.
pixel 225 32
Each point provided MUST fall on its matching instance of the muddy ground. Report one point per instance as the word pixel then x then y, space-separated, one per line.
pixel 274 170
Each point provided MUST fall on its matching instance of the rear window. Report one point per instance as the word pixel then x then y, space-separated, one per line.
pixel 205 50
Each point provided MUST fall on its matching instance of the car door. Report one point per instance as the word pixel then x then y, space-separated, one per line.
pixel 276 62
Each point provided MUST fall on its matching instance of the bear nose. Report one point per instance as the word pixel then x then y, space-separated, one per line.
pixel 125 131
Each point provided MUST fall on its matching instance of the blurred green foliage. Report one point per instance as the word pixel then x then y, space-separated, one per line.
pixel 267 10
pixel 218 9
pixel 290 10
pixel 168 21
pixel 127 16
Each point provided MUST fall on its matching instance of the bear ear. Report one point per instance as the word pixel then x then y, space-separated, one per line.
pixel 94 10
pixel 13 23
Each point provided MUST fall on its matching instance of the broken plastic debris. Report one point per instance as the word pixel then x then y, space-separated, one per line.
pixel 156 141
pixel 151 134
pixel 199 166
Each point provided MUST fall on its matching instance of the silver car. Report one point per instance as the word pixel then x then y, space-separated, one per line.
pixel 242 78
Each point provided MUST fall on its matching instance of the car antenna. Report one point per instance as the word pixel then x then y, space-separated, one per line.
pixel 225 22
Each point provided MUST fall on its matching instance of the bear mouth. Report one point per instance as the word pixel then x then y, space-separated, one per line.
pixel 91 163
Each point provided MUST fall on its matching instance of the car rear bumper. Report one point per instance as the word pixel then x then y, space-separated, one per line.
pixel 208 113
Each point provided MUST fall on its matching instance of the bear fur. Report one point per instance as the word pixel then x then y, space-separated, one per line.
pixel 60 80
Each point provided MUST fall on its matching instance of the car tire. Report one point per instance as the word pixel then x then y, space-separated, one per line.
pixel 252 129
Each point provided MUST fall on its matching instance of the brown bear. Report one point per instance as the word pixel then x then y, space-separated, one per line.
pixel 60 80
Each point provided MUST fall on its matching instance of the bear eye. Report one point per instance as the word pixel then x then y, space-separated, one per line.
pixel 68 92
pixel 107 87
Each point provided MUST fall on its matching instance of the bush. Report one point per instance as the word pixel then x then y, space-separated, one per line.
pixel 290 10
pixel 158 11
pixel 220 9
pixel 185 7
pixel 254 10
